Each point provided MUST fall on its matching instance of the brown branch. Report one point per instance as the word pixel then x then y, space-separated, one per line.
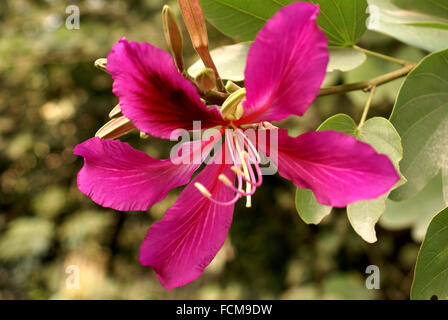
pixel 369 84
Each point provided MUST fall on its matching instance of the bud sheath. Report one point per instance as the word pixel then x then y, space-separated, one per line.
pixel 173 37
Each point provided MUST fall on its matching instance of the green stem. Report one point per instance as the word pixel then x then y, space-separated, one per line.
pixel 367 107
pixel 382 56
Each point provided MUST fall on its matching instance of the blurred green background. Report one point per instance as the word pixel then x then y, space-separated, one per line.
pixel 52 98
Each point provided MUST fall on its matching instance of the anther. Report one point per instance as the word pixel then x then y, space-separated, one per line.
pixel 237 171
pixel 202 189
pixel 225 180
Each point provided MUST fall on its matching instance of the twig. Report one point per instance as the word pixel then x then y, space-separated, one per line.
pixel 369 84
pixel 382 56
pixel 367 107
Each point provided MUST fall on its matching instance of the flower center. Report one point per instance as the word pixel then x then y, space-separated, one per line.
pixel 232 108
pixel 246 161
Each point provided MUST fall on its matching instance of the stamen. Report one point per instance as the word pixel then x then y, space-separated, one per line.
pixel 245 170
pixel 208 194
pixel 202 189
pixel 249 145
pixel 231 145
pixel 237 171
pixel 231 186
pixel 244 156
pixel 252 175
pixel 225 180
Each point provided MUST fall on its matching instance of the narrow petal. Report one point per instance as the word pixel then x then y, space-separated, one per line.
pixel 191 232
pixel 117 176
pixel 338 168
pixel 286 65
pixel 153 94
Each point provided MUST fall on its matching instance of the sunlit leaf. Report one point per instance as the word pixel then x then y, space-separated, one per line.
pixel 438 8
pixel 420 116
pixel 308 208
pixel 411 27
pixel 342 21
pixel 345 59
pixel 431 272
pixel 415 213
pixel 229 60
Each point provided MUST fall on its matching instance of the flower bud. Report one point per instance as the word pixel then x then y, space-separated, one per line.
pixel 115 112
pixel 173 37
pixel 101 64
pixel 115 128
pixel 195 22
pixel 206 80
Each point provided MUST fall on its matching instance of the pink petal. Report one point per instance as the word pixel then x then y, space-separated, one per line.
pixel 286 65
pixel 338 168
pixel 117 176
pixel 191 232
pixel 152 93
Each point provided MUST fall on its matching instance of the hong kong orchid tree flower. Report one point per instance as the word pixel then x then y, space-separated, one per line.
pixel 285 68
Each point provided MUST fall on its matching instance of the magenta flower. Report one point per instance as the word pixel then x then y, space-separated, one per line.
pixel 285 68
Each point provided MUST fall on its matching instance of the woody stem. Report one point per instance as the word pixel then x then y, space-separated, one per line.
pixel 369 84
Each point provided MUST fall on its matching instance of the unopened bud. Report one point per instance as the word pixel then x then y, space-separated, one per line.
pixel 101 64
pixel 173 37
pixel 206 80
pixel 195 22
pixel 115 128
pixel 115 112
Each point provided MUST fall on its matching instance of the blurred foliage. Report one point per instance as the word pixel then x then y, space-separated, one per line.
pixel 52 98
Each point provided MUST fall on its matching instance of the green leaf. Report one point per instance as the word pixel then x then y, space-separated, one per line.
pixel 341 123
pixel 382 136
pixel 420 116
pixel 431 272
pixel 409 26
pixel 363 215
pixel 415 213
pixel 437 8
pixel 445 185
pixel 229 60
pixel 345 59
pixel 308 208
pixel 435 25
pixel 342 21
